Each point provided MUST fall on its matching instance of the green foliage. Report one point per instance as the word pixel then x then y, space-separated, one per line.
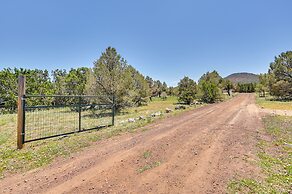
pixel 8 89
pixel 246 87
pixel 69 83
pixel 59 76
pixel 151 85
pixel 149 166
pixel 281 89
pixel 164 95
pixel 164 87
pixel 76 80
pixel 263 85
pixel 228 86
pixel 139 88
pixel 147 154
pixel 113 76
pixel 245 186
pixel 210 85
pixel 156 87
pixel 281 76
pixel 187 90
pixel 210 91
pixel 110 76
pixel 38 82
pixel 172 91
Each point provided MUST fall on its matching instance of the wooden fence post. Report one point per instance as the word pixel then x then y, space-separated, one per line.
pixel 20 111
pixel 113 110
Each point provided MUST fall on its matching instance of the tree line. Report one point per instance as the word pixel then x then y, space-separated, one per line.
pixel 278 80
pixel 209 88
pixel 110 76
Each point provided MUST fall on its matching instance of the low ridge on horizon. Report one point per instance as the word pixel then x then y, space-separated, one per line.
pixel 243 77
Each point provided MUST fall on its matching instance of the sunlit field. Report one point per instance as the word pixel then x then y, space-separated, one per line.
pixel 270 103
pixel 42 123
pixel 48 122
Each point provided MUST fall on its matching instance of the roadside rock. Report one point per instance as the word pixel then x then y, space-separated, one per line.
pixel 168 110
pixel 180 107
pixel 140 118
pixel 131 120
pixel 156 114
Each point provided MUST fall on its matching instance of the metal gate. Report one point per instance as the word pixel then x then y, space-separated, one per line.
pixel 46 116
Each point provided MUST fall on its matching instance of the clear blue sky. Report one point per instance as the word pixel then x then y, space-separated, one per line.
pixel 163 39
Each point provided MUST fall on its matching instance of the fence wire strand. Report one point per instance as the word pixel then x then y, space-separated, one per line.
pixel 43 121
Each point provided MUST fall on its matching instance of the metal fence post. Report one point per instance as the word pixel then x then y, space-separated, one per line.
pixel 79 113
pixel 20 112
pixel 113 110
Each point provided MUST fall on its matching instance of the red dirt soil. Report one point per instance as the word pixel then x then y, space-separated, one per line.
pixel 198 151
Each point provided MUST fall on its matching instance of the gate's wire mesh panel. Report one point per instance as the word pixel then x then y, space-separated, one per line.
pixel 43 121
pixel 96 117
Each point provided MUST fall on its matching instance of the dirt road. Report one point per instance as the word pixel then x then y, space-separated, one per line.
pixel 198 151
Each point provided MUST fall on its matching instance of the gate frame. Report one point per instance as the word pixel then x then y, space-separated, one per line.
pixel 22 108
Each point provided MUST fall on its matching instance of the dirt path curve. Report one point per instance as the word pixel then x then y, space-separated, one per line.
pixel 198 151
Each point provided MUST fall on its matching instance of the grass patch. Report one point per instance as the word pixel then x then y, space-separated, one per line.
pixel 40 153
pixel 149 166
pixel 270 103
pixel 245 186
pixel 147 154
pixel 275 160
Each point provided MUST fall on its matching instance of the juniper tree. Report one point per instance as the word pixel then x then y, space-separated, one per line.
pixel 187 90
pixel 110 78
pixel 228 86
pixel 210 86
pixel 281 76
pixel 139 89
pixel 263 85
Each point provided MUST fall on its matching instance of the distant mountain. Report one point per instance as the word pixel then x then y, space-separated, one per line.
pixel 243 78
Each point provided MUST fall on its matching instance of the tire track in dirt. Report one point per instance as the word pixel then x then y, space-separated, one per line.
pixel 199 151
pixel 184 161
pixel 70 168
pixel 159 145
pixel 137 149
